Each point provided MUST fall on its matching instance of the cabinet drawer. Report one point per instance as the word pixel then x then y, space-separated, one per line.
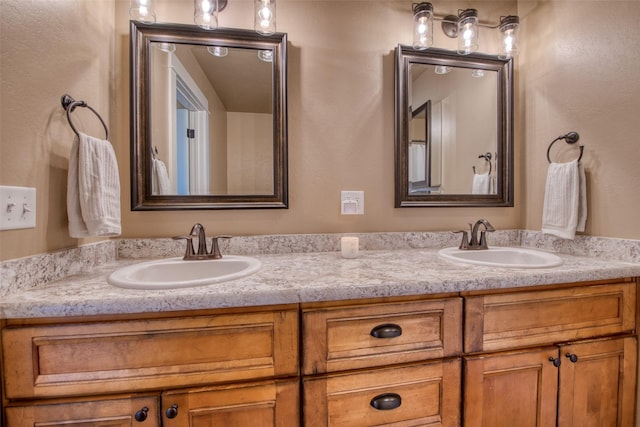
pixel 521 319
pixel 415 395
pixel 336 339
pixel 107 357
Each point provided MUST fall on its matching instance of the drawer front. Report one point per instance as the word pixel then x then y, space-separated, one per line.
pixel 66 360
pixel 512 320
pixel 336 339
pixel 414 395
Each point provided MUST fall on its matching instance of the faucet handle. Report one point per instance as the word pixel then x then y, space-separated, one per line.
pixel 189 252
pixel 464 244
pixel 215 249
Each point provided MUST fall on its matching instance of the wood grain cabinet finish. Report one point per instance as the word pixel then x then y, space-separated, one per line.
pixel 263 404
pixel 523 319
pixel 425 394
pixel 586 384
pixel 354 337
pixel 121 356
pixel 97 412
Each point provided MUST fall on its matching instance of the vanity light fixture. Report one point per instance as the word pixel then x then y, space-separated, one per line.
pixel 219 51
pixel 205 14
pixel 477 73
pixel 508 36
pixel 142 10
pixel 165 47
pixel 465 27
pixel 442 69
pixel 265 16
pixel 422 26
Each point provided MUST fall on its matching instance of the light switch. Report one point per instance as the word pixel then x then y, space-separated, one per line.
pixel 17 207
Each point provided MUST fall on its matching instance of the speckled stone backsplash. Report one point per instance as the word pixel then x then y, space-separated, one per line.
pixel 25 273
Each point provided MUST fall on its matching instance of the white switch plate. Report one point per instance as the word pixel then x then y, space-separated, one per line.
pixel 352 202
pixel 17 207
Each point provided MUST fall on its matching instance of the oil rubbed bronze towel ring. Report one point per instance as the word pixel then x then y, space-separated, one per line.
pixel 69 104
pixel 487 157
pixel 570 138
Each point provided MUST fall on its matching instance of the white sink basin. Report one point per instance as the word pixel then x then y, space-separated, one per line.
pixel 503 257
pixel 174 273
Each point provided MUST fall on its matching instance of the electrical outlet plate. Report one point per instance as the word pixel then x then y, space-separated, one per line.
pixel 17 207
pixel 352 202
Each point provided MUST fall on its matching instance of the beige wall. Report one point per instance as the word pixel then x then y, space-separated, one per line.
pixel 340 112
pixel 580 67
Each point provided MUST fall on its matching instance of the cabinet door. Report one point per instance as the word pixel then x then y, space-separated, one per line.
pixel 511 389
pixel 264 404
pixel 425 394
pixel 598 383
pixel 125 412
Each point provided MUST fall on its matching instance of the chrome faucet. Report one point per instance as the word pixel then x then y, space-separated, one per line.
pixel 198 232
pixel 474 243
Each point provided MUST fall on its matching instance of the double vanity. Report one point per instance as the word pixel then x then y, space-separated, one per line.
pixel 402 336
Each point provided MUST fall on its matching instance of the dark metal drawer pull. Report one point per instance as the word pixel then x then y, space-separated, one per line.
pixel 387 401
pixel 388 330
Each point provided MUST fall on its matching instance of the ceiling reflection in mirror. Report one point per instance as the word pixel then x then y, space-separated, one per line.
pixel 209 124
pixel 453 129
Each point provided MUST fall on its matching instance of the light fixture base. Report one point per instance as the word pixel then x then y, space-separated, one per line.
pixel 450 26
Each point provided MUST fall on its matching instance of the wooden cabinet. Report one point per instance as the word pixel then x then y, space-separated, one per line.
pixel 565 357
pixel 410 353
pixel 265 404
pixel 206 363
pixel 562 356
pixel 102 412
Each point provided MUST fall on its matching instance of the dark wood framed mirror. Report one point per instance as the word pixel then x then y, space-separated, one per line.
pixel 462 108
pixel 208 118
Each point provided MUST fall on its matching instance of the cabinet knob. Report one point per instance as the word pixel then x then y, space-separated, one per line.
pixel 141 415
pixel 387 401
pixel 556 361
pixel 387 330
pixel 172 412
pixel 572 357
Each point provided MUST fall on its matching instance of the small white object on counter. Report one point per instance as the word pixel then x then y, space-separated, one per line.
pixel 349 246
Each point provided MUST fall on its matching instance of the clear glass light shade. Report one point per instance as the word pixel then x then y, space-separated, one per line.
pixel 477 73
pixel 265 16
pixel 508 37
pixel 205 14
pixel 422 26
pixel 468 32
pixel 265 55
pixel 142 10
pixel 442 69
pixel 218 51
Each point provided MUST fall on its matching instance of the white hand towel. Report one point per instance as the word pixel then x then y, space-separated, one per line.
pixel 93 189
pixel 481 183
pixel 160 181
pixel 565 200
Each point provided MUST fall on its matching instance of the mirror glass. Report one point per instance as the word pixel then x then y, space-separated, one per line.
pixel 208 118
pixel 453 129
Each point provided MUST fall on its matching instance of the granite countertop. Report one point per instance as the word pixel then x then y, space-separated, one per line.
pixel 301 277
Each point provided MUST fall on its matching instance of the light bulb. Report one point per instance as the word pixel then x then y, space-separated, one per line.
pixel 142 10
pixel 422 26
pixel 508 36
pixel 265 16
pixel 468 31
pixel 205 14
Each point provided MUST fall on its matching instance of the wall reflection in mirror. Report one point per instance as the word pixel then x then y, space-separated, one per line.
pixel 453 134
pixel 213 126
pixel 208 118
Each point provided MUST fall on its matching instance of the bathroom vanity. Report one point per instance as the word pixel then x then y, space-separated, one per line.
pixel 346 349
